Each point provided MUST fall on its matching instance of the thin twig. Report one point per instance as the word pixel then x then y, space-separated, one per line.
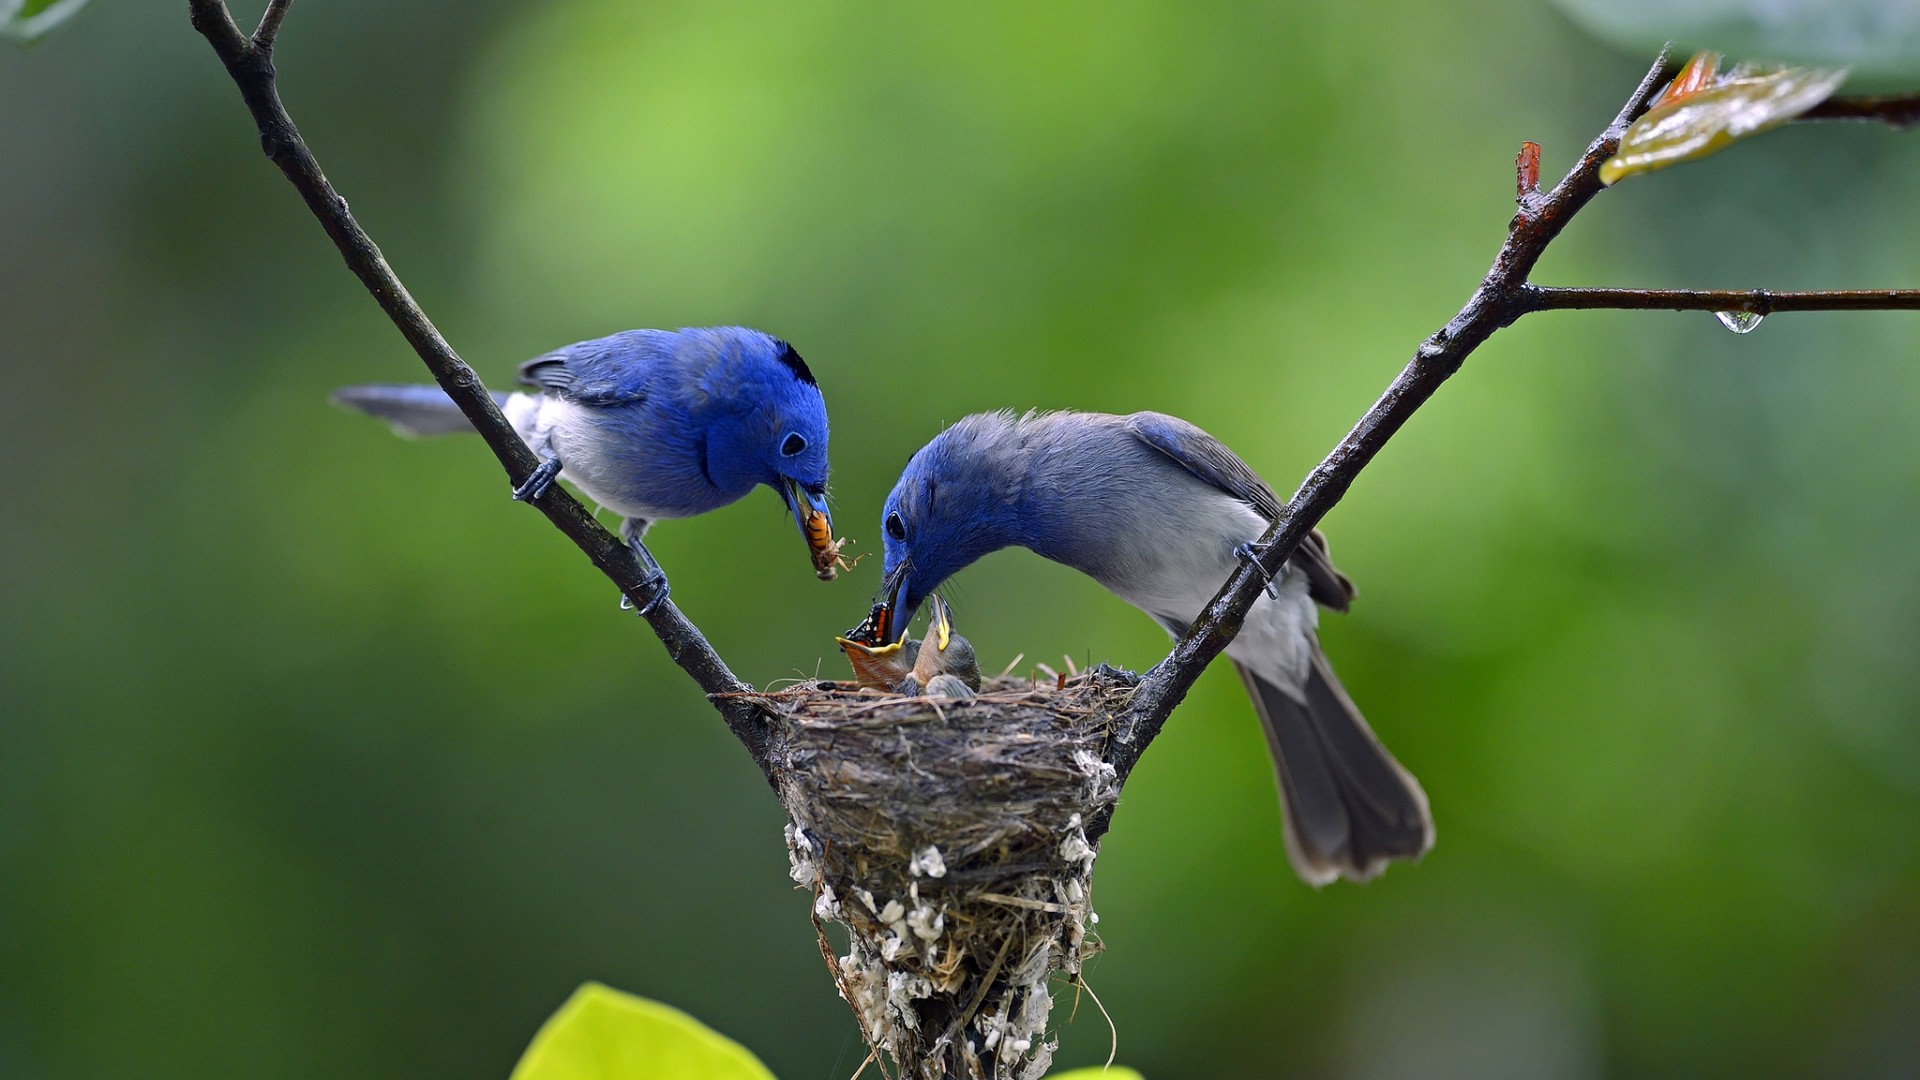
pixel 250 62
pixel 269 27
pixel 1503 296
pixel 1900 111
pixel 1498 301
pixel 1756 301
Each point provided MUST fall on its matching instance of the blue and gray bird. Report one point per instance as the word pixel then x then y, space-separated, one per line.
pixel 1160 512
pixel 656 424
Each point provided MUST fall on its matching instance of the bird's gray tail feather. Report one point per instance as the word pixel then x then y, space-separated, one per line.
pixel 1350 807
pixel 411 409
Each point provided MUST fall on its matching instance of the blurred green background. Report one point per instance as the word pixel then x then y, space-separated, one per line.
pixel 321 758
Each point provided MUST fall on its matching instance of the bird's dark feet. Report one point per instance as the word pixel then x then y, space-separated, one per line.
pixel 657 593
pixel 1245 551
pixel 654 584
pixel 538 481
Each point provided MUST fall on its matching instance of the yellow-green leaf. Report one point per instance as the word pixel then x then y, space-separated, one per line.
pixel 603 1034
pixel 1693 125
pixel 30 20
pixel 1115 1073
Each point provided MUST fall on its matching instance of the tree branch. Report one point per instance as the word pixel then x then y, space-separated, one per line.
pixel 1500 299
pixel 1756 301
pixel 269 27
pixel 1504 295
pixel 1899 111
pixel 249 60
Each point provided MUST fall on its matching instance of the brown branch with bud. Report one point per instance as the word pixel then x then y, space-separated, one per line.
pixel 1504 295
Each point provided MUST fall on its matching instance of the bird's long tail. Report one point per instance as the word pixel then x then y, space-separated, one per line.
pixel 1350 807
pixel 411 409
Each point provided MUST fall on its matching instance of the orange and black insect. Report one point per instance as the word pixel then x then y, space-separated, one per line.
pixel 872 630
pixel 827 558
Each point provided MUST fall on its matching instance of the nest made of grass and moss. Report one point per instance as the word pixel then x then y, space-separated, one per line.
pixel 890 794
pixel 949 837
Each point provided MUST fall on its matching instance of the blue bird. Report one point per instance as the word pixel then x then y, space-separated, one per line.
pixel 656 424
pixel 1159 512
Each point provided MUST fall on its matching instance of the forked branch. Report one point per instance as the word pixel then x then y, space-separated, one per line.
pixel 1504 295
pixel 249 59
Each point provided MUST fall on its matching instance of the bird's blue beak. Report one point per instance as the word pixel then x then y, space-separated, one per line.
pixel 894 593
pixel 809 509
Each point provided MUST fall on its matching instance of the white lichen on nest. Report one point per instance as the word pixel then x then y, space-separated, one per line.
pixel 949 839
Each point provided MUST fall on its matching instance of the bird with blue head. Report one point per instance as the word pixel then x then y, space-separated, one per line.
pixel 1159 512
pixel 655 424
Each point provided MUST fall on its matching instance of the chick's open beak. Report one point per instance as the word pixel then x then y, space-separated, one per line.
pixel 939 624
pixel 876 663
pixel 931 660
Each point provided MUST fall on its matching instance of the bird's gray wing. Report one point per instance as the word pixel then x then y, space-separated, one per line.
pixel 606 371
pixel 1209 459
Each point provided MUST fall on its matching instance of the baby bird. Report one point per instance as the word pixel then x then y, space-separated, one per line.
pixel 945 666
pixel 879 663
pixel 940 665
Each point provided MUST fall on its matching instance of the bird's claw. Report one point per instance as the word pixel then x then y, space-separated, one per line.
pixel 1245 551
pixel 538 481
pixel 656 584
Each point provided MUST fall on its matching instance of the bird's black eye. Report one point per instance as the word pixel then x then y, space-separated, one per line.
pixel 795 444
pixel 896 528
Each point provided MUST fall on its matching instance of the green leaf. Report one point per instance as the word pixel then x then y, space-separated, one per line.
pixel 1115 1073
pixel 32 20
pixel 1700 122
pixel 1875 37
pixel 603 1034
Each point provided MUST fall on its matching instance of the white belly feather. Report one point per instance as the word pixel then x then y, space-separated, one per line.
pixel 1176 580
pixel 546 422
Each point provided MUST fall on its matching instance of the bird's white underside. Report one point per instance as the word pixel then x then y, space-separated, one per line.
pixel 1277 638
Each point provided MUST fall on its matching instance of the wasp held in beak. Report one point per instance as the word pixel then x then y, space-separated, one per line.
pixel 809 509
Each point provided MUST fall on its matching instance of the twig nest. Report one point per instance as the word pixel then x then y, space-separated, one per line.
pixel 949 838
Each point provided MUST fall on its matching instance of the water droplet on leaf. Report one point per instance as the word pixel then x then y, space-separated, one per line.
pixel 1740 322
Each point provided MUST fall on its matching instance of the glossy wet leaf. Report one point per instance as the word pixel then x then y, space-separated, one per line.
pixel 1690 125
pixel 31 20
pixel 1878 37
pixel 604 1034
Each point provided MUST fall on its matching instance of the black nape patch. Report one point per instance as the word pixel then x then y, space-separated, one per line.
pixel 791 357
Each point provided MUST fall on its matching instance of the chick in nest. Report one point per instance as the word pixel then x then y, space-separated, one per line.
pixel 942 664
pixel 946 665
pixel 881 659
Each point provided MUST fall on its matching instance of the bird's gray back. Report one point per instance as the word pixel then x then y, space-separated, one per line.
pixel 1092 495
pixel 1128 516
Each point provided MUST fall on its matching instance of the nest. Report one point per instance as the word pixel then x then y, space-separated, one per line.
pixel 949 839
